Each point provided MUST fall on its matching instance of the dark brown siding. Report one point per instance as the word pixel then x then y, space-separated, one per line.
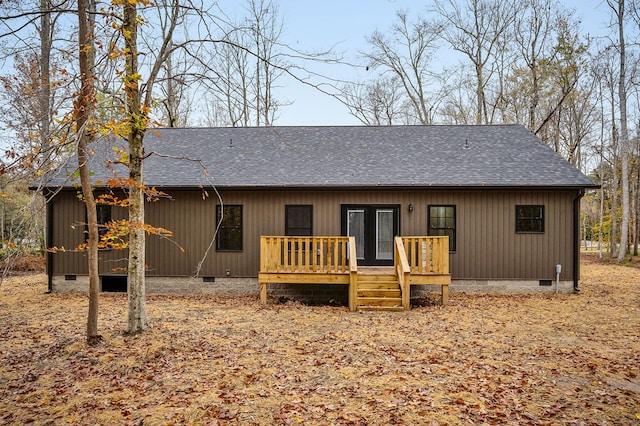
pixel 487 244
pixel 69 231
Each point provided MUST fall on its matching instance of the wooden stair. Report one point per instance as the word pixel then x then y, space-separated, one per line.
pixel 378 292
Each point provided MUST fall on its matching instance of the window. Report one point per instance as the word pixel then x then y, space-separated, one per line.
pixel 104 216
pixel 298 220
pixel 442 222
pixel 530 219
pixel 103 212
pixel 384 234
pixel 355 228
pixel 230 231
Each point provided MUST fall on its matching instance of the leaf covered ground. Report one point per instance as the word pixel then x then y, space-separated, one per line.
pixel 484 359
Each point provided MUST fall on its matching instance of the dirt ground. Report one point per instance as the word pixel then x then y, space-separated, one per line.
pixel 484 359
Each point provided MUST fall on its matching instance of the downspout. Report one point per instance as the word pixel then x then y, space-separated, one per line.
pixel 48 241
pixel 576 240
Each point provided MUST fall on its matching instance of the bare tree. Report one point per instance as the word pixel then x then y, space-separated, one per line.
pixel 45 73
pixel 456 105
pixel 33 96
pixel 533 37
pixel 174 101
pixel 266 31
pixel 618 9
pixel 229 80
pixel 377 103
pixel 477 29
pixel 406 53
pixel 175 78
pixel 29 40
pixel 241 69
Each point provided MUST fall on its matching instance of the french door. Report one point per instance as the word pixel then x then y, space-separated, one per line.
pixel 373 227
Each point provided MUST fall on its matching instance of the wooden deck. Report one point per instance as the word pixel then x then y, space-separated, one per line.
pixel 332 260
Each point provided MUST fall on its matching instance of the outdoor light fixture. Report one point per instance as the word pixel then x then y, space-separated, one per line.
pixel 410 207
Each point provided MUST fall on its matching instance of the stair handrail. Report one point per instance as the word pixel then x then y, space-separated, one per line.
pixel 403 271
pixel 353 274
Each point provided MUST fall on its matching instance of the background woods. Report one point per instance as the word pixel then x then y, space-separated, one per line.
pixel 191 63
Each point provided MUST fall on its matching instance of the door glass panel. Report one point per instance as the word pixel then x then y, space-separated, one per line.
pixel 355 227
pixel 384 234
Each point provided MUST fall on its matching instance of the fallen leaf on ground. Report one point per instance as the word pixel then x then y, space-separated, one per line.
pixel 484 359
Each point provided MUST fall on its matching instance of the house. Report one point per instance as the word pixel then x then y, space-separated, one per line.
pixel 508 203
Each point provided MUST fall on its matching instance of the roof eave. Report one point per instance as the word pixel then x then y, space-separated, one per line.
pixel 386 187
pixel 359 187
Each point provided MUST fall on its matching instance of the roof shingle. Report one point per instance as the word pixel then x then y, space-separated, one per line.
pixel 348 156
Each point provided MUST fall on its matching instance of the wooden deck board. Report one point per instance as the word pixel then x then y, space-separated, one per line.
pixel 421 279
pixel 303 278
pixel 376 270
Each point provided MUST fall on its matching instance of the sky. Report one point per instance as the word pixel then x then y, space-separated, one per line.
pixel 344 25
pixel 313 25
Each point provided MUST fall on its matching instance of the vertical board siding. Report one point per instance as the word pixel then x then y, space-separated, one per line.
pixel 487 245
pixel 67 233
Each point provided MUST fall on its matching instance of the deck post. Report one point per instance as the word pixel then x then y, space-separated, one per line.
pixel 353 291
pixel 445 294
pixel 263 293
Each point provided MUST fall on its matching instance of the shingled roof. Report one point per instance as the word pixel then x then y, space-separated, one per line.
pixel 346 157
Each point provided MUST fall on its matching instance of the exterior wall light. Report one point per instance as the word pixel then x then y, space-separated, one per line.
pixel 410 207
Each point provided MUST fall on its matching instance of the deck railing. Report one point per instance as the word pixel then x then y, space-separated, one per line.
pixel 333 260
pixel 427 255
pixel 306 254
pixel 403 270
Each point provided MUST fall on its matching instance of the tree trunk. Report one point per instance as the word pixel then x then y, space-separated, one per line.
pixel 601 210
pixel 636 238
pixel 45 77
pixel 535 97
pixel 624 137
pixel 634 209
pixel 480 95
pixel 83 109
pixel 137 312
pixel 613 238
pixel 45 90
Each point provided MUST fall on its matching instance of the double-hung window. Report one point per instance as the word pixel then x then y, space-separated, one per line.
pixel 104 216
pixel 530 219
pixel 442 222
pixel 298 220
pixel 230 230
pixel 103 213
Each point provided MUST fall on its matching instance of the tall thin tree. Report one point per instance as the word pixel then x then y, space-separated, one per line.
pixel 138 104
pixel 477 29
pixel 618 10
pixel 404 54
pixel 83 111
